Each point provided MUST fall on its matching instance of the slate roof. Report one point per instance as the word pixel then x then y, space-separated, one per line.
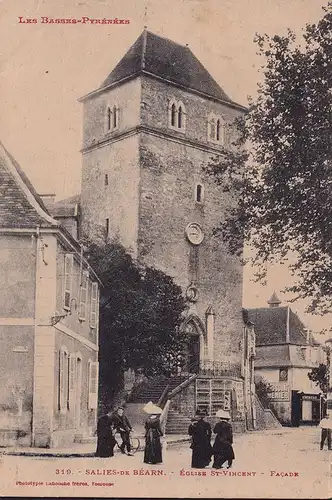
pixel 20 205
pixel 271 326
pixel 166 59
pixel 66 207
pixel 285 355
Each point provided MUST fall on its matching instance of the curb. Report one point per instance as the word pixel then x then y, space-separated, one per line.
pixel 61 454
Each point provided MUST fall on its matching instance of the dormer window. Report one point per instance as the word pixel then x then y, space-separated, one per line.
pixel 216 129
pixel 112 118
pixel 177 116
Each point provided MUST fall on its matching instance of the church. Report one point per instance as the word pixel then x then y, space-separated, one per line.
pixel 148 131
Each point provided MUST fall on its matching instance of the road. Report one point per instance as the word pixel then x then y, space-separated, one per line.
pixel 282 464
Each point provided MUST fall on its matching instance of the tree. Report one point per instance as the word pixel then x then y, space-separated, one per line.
pixel 319 375
pixel 283 179
pixel 140 316
pixel 263 389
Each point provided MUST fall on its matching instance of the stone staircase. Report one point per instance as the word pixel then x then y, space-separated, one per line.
pixel 177 423
pixel 153 389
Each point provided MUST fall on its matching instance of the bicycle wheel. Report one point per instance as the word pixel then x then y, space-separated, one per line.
pixel 134 443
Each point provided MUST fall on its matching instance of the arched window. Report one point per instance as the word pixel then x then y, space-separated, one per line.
pixel 216 129
pixel 199 193
pixel 180 117
pixel 112 118
pixel 177 115
pixel 173 115
pixel 212 129
pixel 109 118
pixel 115 117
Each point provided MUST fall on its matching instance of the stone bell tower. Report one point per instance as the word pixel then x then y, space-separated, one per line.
pixel 149 129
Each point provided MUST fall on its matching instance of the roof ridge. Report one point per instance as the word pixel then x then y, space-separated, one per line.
pixel 145 39
pixel 25 186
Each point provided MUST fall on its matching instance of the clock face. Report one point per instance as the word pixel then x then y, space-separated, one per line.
pixel 194 233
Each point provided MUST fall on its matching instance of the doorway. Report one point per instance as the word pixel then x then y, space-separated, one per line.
pixel 193 354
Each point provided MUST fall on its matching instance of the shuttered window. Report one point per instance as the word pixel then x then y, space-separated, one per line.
pixel 68 280
pixel 83 296
pixel 71 381
pixel 94 305
pixel 93 385
pixel 63 380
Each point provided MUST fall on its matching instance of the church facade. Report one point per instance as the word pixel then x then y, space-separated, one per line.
pixel 148 131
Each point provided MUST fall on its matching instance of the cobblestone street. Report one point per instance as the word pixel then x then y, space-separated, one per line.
pixel 278 464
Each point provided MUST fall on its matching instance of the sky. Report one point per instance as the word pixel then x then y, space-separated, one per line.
pixel 45 68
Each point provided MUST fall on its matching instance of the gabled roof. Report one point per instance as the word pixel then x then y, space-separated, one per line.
pixel 271 324
pixel 20 205
pixel 166 59
pixel 66 208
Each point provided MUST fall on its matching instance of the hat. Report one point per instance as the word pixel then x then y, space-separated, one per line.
pixel 152 409
pixel 223 414
pixel 200 413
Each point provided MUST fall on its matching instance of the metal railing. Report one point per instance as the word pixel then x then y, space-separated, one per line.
pixel 219 368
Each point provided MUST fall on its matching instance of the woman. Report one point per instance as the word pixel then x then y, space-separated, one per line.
pixel 222 447
pixel 106 440
pixel 153 433
pixel 200 432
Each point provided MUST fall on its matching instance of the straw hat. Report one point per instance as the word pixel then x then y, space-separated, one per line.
pixel 152 409
pixel 223 414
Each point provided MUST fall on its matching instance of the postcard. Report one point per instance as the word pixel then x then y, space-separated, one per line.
pixel 138 358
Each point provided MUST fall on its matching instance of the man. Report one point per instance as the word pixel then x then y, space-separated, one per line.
pixel 325 425
pixel 122 425
pixel 106 441
pixel 200 432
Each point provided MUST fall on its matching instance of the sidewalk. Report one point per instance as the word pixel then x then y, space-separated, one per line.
pixel 88 450
pixel 79 449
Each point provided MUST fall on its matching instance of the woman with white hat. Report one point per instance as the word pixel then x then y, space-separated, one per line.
pixel 153 433
pixel 222 447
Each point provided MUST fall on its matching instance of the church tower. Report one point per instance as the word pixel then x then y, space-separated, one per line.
pixel 149 129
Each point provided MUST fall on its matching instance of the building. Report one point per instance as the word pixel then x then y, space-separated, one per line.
pixel 148 130
pixel 285 353
pixel 48 321
pixel 328 344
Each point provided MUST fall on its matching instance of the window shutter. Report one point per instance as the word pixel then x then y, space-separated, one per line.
pixel 68 278
pixel 61 379
pixel 94 305
pixel 83 297
pixel 71 388
pixel 93 385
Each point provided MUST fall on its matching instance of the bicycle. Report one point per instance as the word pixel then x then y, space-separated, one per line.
pixel 134 442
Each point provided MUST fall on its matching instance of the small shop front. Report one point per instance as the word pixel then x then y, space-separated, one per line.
pixel 307 409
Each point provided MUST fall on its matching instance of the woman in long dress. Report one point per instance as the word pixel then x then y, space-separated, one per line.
pixel 106 440
pixel 200 432
pixel 153 433
pixel 222 447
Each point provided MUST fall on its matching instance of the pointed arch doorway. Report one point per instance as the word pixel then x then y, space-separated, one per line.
pixel 194 349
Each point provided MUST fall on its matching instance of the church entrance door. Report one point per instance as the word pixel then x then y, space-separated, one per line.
pixel 193 352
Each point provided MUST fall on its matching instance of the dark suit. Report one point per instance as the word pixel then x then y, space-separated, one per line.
pixel 122 425
pixel 325 435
